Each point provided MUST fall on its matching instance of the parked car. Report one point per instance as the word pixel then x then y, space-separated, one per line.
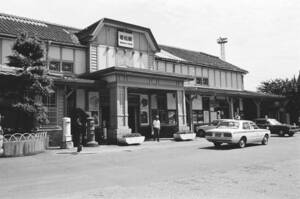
pixel 240 132
pixel 201 129
pixel 276 127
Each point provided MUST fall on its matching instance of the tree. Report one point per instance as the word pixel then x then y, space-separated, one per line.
pixel 33 82
pixel 288 88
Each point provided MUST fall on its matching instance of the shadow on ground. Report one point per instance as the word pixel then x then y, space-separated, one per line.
pixel 227 147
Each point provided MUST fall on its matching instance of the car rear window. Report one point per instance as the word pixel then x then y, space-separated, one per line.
pixel 229 124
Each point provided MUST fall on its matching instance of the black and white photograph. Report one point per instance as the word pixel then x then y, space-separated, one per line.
pixel 140 99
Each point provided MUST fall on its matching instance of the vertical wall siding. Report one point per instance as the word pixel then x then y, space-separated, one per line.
pixel 60 105
pixel 93 59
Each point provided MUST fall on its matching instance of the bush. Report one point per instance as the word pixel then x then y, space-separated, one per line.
pixel 132 135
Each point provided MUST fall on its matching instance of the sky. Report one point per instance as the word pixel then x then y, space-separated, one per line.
pixel 263 36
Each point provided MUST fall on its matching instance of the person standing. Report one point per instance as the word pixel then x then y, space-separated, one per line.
pixel 80 131
pixel 156 128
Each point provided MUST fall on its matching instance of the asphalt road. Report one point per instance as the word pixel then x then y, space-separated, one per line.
pixel 167 169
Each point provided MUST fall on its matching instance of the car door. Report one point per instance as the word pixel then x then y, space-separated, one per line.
pixel 257 132
pixel 248 132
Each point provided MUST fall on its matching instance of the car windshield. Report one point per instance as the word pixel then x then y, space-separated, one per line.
pixel 229 124
pixel 215 122
pixel 274 122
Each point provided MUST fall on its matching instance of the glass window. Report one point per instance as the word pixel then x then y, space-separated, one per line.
pixel 51 108
pixel 229 124
pixel 205 81
pixel 54 66
pixel 246 125
pixel 199 80
pixel 198 116
pixel 67 67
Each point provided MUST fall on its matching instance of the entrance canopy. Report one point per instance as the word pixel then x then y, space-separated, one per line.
pixel 140 78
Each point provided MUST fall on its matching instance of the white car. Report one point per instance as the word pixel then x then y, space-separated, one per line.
pixel 239 132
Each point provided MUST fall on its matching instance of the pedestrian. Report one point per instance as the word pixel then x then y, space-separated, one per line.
pixel 156 128
pixel 237 116
pixel 80 129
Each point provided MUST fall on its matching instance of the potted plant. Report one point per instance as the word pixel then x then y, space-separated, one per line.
pixel 184 135
pixel 132 138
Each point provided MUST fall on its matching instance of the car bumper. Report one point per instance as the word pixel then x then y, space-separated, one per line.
pixel 220 139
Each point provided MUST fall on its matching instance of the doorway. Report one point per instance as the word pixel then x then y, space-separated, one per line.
pixel 133 112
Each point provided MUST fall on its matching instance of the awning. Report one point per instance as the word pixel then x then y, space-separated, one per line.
pixel 137 72
pixel 231 93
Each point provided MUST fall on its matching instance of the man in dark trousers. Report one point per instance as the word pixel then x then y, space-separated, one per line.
pixel 156 128
pixel 80 131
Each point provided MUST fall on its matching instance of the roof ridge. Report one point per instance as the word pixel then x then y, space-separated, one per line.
pixel 39 21
pixel 179 48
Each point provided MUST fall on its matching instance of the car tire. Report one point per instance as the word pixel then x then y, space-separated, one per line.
pixel 242 143
pixel 217 144
pixel 201 133
pixel 291 134
pixel 281 133
pixel 265 140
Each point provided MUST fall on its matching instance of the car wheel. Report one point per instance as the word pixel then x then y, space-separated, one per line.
pixel 242 142
pixel 265 140
pixel 281 133
pixel 291 134
pixel 217 144
pixel 201 133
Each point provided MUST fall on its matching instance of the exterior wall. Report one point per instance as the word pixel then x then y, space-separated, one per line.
pixel 105 52
pixel 56 53
pixel 219 79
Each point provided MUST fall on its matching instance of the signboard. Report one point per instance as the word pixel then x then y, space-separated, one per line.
pixel 144 110
pixel 125 39
pixel 93 100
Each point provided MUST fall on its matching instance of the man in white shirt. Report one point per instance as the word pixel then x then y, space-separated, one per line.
pixel 156 128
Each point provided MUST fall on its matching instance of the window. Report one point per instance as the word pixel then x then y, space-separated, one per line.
pixel 202 81
pixel 67 67
pixel 51 108
pixel 61 66
pixel 54 66
pixel 198 116
pixel 246 125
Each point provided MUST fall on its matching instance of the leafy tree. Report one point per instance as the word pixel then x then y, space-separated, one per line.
pixel 289 89
pixel 32 81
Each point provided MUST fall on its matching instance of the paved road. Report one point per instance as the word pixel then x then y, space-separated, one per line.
pixel 158 170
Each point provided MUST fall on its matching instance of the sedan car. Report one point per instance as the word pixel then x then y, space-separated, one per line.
pixel 240 132
pixel 276 127
pixel 201 130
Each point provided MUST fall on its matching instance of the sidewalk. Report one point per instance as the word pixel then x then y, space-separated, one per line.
pixel 164 143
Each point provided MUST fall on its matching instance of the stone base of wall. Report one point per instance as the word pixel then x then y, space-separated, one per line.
pixel 55 137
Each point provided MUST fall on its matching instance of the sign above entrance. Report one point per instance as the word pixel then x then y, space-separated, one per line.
pixel 125 39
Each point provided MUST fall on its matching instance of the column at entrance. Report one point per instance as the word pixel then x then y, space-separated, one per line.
pixel 118 112
pixel 181 110
pixel 231 107
pixel 257 102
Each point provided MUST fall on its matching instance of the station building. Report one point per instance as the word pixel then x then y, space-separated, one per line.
pixel 120 75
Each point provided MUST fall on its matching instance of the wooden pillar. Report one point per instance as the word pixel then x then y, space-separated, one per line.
pixel 257 102
pixel 231 107
pixel 118 112
pixel 181 111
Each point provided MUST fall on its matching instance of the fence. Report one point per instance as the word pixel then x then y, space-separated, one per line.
pixel 24 144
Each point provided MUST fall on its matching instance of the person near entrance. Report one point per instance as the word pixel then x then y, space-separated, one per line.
pixel 156 128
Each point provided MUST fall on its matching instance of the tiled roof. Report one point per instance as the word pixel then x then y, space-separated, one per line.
pixel 199 58
pixel 11 25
